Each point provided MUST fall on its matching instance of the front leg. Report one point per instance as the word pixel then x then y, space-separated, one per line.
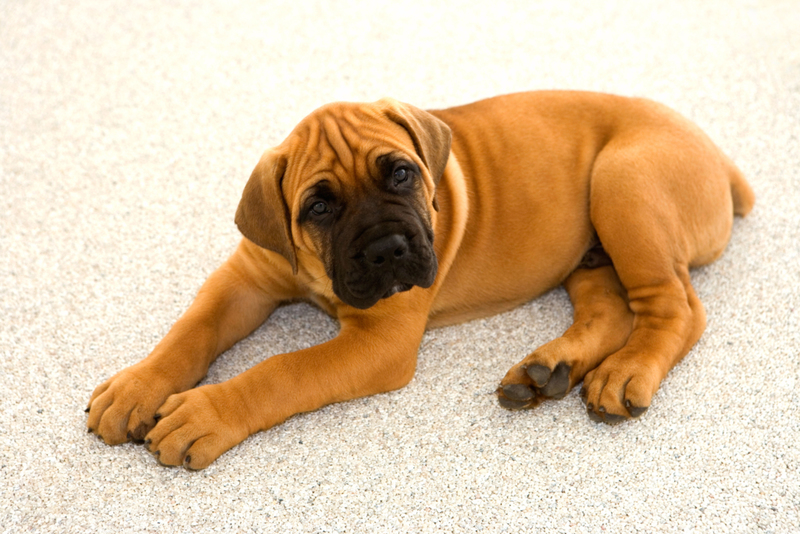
pixel 233 302
pixel 375 351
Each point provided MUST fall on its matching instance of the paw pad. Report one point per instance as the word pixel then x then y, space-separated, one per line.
pixel 516 397
pixel 518 392
pixel 553 384
pixel 539 374
pixel 635 411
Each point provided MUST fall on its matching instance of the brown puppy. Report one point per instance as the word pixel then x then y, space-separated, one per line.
pixel 393 220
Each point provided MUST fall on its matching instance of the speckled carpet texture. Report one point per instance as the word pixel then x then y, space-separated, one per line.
pixel 127 133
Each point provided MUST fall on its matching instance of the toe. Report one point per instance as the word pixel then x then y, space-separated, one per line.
pixel 540 374
pixel 204 451
pixel 96 410
pixel 113 427
pixel 635 411
pixel 637 394
pixel 517 399
pixel 518 392
pixel 558 384
pixel 173 447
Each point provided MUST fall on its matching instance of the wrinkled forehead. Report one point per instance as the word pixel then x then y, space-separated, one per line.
pixel 341 140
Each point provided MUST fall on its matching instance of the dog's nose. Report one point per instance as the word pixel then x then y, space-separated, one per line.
pixel 386 250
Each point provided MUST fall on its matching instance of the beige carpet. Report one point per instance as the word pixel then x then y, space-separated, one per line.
pixel 127 131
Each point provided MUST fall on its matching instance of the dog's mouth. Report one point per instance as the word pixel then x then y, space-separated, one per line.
pixel 365 291
pixel 363 279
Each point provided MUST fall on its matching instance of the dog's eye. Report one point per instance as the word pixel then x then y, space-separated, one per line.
pixel 319 208
pixel 400 175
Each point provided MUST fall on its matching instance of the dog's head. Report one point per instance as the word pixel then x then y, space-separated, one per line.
pixel 351 191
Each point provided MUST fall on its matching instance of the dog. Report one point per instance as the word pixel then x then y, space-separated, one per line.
pixel 394 220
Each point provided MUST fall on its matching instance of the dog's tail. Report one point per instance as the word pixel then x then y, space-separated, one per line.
pixel 742 193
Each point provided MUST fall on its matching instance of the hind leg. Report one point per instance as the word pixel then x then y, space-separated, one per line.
pixel 669 320
pixel 654 222
pixel 601 324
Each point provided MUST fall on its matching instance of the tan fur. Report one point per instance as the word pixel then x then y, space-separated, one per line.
pixel 532 181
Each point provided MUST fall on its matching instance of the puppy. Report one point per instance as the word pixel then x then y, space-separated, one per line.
pixel 394 220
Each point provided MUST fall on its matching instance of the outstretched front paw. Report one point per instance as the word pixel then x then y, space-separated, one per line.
pixel 195 427
pixel 121 408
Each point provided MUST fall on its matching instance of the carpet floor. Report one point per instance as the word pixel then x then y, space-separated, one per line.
pixel 127 132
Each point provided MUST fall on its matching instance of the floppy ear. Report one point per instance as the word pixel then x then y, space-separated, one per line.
pixel 263 216
pixel 430 135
